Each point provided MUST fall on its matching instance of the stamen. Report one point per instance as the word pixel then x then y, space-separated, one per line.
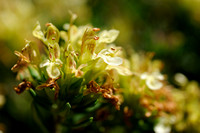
pixel 96 38
pixel 47 24
pixel 96 29
pixel 112 49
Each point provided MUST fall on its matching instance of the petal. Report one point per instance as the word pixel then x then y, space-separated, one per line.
pixel 64 35
pixel 73 16
pixel 58 62
pixel 121 70
pixel 113 61
pixel 158 75
pixel 153 83
pixel 181 79
pixel 38 33
pixel 88 45
pixel 66 26
pixel 52 34
pixel 103 51
pixel 108 36
pixel 144 76
pixel 162 128
pixel 53 71
pixel 45 63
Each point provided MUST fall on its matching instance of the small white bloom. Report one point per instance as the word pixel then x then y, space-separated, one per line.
pixel 108 36
pixel 52 67
pixel 66 26
pixel 153 80
pixel 181 79
pixel 106 55
pixel 163 126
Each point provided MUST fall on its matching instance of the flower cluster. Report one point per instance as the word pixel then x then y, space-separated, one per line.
pixel 79 68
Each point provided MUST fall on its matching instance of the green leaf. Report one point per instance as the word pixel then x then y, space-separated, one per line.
pixel 43 118
pixel 84 123
pixel 34 73
pixel 87 101
pixel 70 89
pixel 32 92
pixel 42 99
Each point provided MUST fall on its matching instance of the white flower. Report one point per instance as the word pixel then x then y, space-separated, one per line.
pixel 108 36
pixel 153 80
pixel 52 67
pixel 163 126
pixel 181 79
pixel 107 56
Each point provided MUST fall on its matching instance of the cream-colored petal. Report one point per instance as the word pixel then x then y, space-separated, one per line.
pixel 121 70
pixel 58 62
pixel 45 63
pixel 66 26
pixel 108 59
pixel 158 75
pixel 108 36
pixel 144 76
pixel 113 61
pixel 37 32
pixel 153 83
pixel 53 71
pixel 163 126
pixel 181 79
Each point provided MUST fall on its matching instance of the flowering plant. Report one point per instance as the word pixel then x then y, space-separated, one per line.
pixel 76 74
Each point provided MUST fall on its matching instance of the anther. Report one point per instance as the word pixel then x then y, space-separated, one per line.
pixel 96 29
pixel 96 38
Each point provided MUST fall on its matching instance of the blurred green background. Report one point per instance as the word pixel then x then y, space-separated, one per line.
pixel 170 28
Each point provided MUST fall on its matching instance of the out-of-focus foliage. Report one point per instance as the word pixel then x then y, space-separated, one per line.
pixel 188 99
pixel 170 28
pixel 18 17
